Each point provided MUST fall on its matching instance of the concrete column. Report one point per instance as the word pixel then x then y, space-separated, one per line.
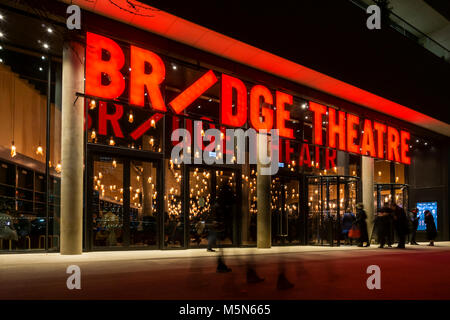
pixel 367 190
pixel 264 235
pixel 72 149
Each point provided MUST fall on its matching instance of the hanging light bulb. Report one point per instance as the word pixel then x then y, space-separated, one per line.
pixel 58 168
pixel 39 150
pixel 13 150
pixel 130 117
pixel 93 134
pixel 153 123
pixel 114 163
pixel 111 141
pixel 92 105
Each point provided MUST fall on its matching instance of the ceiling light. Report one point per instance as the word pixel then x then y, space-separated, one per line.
pixel 49 30
pixel 43 57
pixel 1 34
pixel 45 45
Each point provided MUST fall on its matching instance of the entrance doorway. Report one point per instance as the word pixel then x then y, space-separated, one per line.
pixel 285 208
pixel 214 205
pixel 123 202
pixel 329 197
pixel 386 192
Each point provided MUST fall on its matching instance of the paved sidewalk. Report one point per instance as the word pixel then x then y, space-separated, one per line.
pixel 14 260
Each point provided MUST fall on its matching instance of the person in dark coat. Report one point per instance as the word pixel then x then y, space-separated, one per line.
pixel 383 225
pixel 347 223
pixel 431 227
pixel 400 224
pixel 414 225
pixel 361 223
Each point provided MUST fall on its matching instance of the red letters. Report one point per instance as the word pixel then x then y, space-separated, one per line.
pixel 352 134
pixel 227 117
pixel 393 141
pixel 283 115
pixel 305 153
pixel 104 117
pixel 336 128
pixel 185 98
pixel 140 80
pixel 97 65
pixel 319 110
pixel 259 96
pixel 367 142
pixel 404 136
pixel 330 159
pixel 381 129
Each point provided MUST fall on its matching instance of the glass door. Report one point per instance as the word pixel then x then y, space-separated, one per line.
pixel 330 198
pixel 213 203
pixel 123 203
pixel 285 206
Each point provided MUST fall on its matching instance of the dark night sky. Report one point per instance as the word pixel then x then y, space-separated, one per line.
pixel 331 37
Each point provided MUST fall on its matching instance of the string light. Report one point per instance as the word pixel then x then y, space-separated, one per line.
pixel 92 105
pixel 39 151
pixel 130 117
pixel 13 150
pixel 93 135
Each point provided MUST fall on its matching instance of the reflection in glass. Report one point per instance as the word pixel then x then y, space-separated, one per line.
pixel 107 206
pixel 143 204
pixel 173 207
pixel 199 205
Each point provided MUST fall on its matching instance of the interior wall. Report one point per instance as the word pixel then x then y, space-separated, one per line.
pixel 428 179
pixel 24 110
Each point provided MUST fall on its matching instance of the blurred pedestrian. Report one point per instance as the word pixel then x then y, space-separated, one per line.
pixel 414 224
pixel 282 282
pixel 361 223
pixel 400 224
pixel 383 225
pixel 347 221
pixel 431 227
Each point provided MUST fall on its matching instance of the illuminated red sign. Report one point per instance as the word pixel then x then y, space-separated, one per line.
pixel 265 110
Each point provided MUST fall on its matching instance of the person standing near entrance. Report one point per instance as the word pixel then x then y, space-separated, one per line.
pixel 383 225
pixel 431 227
pixel 361 218
pixel 400 224
pixel 414 225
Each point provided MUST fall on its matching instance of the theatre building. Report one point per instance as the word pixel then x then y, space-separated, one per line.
pixel 86 123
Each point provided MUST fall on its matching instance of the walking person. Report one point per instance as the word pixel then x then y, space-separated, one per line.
pixel 414 225
pixel 383 225
pixel 222 208
pixel 400 224
pixel 347 222
pixel 361 223
pixel 431 227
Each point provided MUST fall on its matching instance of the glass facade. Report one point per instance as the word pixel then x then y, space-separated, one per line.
pixel 135 196
pixel 30 139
